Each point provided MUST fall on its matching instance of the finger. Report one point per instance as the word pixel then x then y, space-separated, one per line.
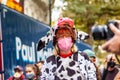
pixel 118 21
pixel 114 29
pixel 105 45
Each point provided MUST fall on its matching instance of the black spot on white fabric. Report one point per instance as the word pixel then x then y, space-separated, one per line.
pixel 72 63
pixel 57 78
pixel 51 59
pixel 59 63
pixel 54 69
pixel 47 70
pixel 70 72
pixel 78 71
pixel 79 78
pixel 61 69
pixel 71 79
pixel 88 67
pixel 61 75
pixel 85 67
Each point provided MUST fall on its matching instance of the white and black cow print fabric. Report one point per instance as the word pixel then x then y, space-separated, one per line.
pixel 75 67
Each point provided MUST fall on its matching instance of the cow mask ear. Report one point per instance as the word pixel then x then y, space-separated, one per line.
pixel 43 42
pixel 81 36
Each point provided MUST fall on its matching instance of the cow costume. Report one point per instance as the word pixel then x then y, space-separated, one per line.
pixel 67 63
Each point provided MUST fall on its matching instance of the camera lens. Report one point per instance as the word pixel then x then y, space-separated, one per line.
pixel 103 32
pixel 99 32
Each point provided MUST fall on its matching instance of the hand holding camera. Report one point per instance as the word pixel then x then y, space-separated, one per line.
pixel 103 32
pixel 111 33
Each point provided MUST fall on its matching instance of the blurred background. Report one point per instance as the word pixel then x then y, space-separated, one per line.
pixel 85 14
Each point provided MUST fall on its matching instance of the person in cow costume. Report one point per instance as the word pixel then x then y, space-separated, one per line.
pixel 67 63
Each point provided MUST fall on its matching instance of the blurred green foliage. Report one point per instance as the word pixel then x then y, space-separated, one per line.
pixel 87 12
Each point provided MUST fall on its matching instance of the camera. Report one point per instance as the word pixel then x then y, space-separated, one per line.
pixel 103 32
pixel 111 63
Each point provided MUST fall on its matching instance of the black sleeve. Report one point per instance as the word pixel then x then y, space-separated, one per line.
pixel 104 74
